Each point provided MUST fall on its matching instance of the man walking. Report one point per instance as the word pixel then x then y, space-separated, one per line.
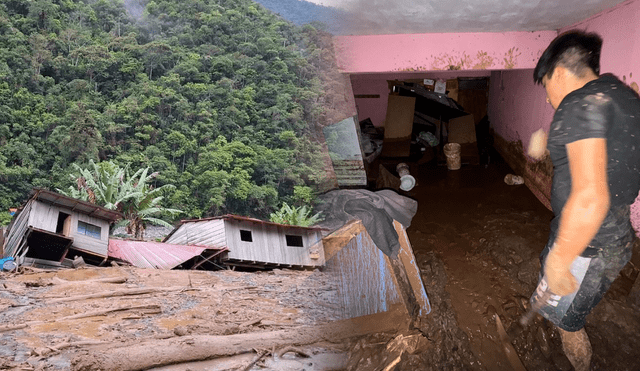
pixel 594 144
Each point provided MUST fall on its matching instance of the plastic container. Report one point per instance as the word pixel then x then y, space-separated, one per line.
pixel 407 181
pixel 8 264
pixel 511 179
pixel 452 151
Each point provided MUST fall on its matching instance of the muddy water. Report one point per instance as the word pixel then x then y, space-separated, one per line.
pixel 487 236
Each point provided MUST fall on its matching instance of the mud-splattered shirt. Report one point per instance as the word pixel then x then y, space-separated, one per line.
pixel 603 108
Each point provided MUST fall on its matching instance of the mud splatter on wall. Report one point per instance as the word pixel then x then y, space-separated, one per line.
pixel 451 51
pixel 484 61
pixel 511 58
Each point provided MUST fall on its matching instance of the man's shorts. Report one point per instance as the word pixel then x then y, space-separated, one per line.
pixel 595 274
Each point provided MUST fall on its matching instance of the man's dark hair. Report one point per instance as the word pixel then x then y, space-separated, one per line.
pixel 574 50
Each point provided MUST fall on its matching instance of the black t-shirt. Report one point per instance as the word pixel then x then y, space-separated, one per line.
pixel 603 108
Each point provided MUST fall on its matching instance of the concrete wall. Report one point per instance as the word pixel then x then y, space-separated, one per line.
pixel 440 51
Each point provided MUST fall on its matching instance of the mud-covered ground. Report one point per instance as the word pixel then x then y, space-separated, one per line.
pixel 477 242
pixel 48 321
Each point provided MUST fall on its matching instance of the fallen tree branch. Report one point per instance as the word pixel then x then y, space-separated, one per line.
pixel 154 353
pixel 59 281
pixel 124 292
pixel 56 348
pixel 154 308
pixel 260 357
pixel 13 327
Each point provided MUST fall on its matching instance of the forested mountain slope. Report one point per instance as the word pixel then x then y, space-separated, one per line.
pixel 218 96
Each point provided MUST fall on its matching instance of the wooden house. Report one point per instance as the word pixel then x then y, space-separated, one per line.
pixel 253 242
pixel 50 226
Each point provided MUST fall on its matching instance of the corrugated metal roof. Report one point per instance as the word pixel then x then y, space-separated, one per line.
pixel 247 219
pixel 158 255
pixel 84 207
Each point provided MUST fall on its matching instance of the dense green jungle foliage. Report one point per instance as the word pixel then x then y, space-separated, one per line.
pixel 217 96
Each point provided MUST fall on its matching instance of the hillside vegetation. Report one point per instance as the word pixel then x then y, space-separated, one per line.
pixel 219 97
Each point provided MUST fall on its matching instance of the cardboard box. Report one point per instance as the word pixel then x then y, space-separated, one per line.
pixel 398 126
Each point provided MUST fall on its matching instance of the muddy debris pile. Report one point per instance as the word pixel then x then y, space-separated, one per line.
pixel 442 345
pixel 95 318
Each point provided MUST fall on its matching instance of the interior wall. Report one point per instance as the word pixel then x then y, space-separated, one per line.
pixel 517 106
pixel 440 51
pixel 376 85
pixel 619 29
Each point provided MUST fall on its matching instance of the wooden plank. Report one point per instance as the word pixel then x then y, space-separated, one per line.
pixel 408 260
pixel 153 353
pixel 337 240
pixel 365 278
pixel 18 230
pixel 41 263
pixel 213 255
pixel 94 245
pixel 44 216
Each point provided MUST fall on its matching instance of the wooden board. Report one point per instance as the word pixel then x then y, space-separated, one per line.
pixel 370 280
pixel 413 273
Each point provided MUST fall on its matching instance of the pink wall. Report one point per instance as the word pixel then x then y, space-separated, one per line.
pixel 440 51
pixel 517 106
pixel 376 84
pixel 619 29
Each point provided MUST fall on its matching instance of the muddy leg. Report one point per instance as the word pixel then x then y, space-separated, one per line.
pixel 577 348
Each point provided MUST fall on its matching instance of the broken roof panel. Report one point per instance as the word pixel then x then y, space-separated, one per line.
pixel 70 203
pixel 157 255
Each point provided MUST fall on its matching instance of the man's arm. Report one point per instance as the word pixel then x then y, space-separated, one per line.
pixel 583 213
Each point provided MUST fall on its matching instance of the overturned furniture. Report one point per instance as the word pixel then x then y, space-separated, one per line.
pixel 51 226
pixel 371 282
pixel 253 243
pixel 369 254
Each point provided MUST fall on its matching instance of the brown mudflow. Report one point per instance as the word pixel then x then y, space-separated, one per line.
pixel 480 239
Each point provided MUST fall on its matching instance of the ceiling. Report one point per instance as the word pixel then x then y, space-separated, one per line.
pixel 429 16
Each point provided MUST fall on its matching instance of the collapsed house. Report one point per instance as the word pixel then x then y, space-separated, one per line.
pixel 158 255
pixel 52 227
pixel 253 243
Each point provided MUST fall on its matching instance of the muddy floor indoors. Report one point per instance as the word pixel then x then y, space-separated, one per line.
pixel 477 242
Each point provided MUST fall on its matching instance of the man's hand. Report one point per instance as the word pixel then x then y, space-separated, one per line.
pixel 557 272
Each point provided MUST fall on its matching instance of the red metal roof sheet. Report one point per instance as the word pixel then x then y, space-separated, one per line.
pixel 158 255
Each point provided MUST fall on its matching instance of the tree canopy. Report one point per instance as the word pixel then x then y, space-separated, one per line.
pixel 218 97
